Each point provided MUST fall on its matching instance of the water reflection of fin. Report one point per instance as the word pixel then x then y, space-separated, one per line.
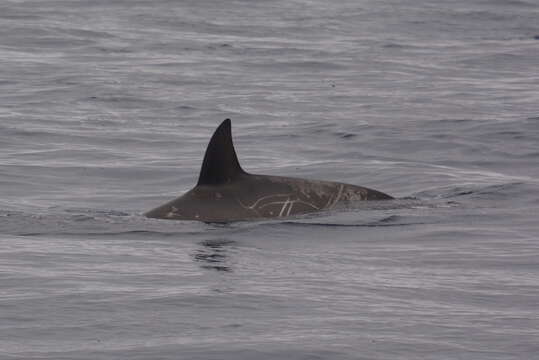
pixel 213 254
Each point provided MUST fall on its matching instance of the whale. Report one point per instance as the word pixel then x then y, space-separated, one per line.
pixel 226 193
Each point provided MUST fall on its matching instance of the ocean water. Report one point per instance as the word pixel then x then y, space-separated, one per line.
pixel 106 108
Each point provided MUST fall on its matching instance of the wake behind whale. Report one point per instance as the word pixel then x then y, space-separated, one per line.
pixel 225 192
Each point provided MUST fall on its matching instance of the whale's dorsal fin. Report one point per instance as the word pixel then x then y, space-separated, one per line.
pixel 220 163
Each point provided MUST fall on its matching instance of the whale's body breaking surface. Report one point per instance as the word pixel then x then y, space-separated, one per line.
pixel 225 192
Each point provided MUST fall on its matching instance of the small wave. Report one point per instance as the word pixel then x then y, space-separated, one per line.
pixel 96 212
pixel 392 220
pixel 150 233
pixel 93 223
pixel 345 135
pixel 476 191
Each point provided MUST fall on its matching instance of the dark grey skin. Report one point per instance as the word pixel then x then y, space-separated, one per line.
pixel 225 192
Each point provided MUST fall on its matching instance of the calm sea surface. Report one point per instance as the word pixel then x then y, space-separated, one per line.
pixel 106 108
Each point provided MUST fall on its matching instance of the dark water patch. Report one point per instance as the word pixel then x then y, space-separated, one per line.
pixel 42 133
pixel 148 234
pixel 390 219
pixel 125 102
pixel 345 135
pixel 511 134
pixel 298 66
pixel 82 218
pixel 219 351
pixel 513 4
pixel 501 191
pixel 450 123
pixel 213 254
pixel 383 205
pixel 186 108
pixel 168 64
pixel 501 61
pixel 361 219
pixel 531 155
pixel 85 33
pixel 45 43
pixel 217 243
pixel 8 14
pixel 516 191
pixel 95 224
pixel 114 50
pixel 216 267
pixel 219 46
pixel 394 46
pixel 481 15
pixel 518 130
pixel 450 192
pixel 74 155
pixel 10 213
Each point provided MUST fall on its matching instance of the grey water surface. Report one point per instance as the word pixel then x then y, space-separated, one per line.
pixel 106 108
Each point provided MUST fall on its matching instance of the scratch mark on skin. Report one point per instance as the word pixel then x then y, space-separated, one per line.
pixel 308 204
pixel 261 199
pixel 290 208
pixel 331 203
pixel 341 188
pixel 173 212
pixel 292 201
pixel 284 207
pixel 272 203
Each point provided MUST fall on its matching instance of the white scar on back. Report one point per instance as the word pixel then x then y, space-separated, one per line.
pixel 290 208
pixel 253 205
pixel 330 203
pixel 284 207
